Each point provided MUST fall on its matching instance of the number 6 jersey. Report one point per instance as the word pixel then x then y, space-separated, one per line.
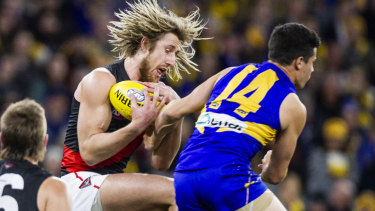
pixel 240 118
pixel 19 185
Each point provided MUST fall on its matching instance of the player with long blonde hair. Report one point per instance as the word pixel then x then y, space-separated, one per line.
pixel 150 42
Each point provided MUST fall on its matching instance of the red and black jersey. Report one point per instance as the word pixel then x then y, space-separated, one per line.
pixel 72 161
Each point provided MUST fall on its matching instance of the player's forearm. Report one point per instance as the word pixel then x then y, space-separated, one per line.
pixel 172 113
pixel 167 120
pixel 102 146
pixel 164 154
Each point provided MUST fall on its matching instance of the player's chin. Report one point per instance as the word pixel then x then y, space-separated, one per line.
pixel 299 85
pixel 155 78
pixel 152 78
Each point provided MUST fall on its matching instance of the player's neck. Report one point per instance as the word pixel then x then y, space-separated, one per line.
pixel 286 69
pixel 31 161
pixel 132 65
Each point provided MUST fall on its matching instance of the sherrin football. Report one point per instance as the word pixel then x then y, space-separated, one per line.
pixel 120 94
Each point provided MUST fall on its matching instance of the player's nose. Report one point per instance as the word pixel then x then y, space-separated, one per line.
pixel 171 59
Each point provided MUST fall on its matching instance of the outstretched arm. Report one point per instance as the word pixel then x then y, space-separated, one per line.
pixel 275 163
pixel 168 124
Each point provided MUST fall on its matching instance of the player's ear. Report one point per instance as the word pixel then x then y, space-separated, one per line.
pixel 298 62
pixel 45 140
pixel 145 44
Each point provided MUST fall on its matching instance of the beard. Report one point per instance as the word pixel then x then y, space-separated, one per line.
pixel 145 70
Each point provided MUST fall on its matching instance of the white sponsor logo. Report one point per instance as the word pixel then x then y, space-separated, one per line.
pixel 210 119
pixel 138 94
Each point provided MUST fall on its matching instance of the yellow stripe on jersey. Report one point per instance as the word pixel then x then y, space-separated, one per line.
pixel 262 133
pixel 232 85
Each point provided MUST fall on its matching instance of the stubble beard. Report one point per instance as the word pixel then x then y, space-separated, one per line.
pixel 145 70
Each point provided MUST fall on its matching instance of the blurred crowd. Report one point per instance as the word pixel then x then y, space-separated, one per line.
pixel 47 46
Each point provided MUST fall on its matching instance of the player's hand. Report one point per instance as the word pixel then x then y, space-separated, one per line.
pixel 266 160
pixel 144 116
pixel 165 92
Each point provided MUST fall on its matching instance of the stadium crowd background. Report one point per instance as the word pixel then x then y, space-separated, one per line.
pixel 47 46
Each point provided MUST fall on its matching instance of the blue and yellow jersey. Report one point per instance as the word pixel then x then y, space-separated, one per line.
pixel 240 118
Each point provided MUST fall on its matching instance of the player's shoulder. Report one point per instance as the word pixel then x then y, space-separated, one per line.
pixel 52 184
pixel 222 73
pixel 293 103
pixel 98 82
pixel 52 187
pixel 292 110
pixel 100 75
pixel 251 66
pixel 54 191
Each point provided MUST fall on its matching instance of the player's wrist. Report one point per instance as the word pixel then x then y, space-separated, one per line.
pixel 140 124
pixel 137 126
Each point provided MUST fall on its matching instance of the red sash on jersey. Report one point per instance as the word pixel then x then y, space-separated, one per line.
pixel 73 162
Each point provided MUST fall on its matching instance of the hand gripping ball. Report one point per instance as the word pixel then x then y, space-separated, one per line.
pixel 120 95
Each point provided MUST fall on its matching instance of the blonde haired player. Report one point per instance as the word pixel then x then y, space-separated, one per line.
pixel 23 184
pixel 150 42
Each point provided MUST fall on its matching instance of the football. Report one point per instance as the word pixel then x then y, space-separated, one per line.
pixel 120 94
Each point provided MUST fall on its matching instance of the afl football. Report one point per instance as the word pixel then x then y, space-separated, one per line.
pixel 120 95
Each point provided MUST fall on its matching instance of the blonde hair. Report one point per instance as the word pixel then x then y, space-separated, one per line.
pixel 23 129
pixel 146 18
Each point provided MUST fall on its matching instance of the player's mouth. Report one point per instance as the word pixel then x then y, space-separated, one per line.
pixel 160 71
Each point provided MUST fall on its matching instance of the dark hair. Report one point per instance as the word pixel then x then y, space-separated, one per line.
pixel 290 41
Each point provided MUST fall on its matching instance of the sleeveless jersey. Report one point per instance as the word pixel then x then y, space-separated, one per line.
pixel 72 160
pixel 19 184
pixel 240 118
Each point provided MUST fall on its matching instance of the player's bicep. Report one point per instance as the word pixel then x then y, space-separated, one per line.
pixel 95 111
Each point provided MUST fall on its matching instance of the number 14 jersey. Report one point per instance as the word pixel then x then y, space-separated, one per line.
pixel 240 118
